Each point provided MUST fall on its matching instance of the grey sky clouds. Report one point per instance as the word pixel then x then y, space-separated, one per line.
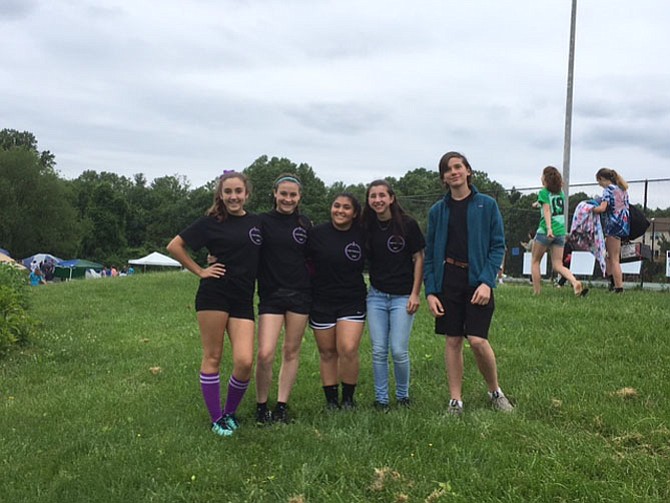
pixel 358 90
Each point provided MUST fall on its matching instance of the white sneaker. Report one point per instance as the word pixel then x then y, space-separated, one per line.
pixel 454 409
pixel 501 403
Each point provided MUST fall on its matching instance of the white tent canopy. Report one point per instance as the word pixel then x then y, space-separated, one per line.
pixel 156 258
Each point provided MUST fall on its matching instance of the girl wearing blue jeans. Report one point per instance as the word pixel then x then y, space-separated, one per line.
pixel 395 250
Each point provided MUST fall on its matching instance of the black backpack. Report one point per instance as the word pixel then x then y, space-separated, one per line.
pixel 638 222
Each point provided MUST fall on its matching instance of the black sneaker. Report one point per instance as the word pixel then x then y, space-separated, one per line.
pixel 332 406
pixel 348 404
pixel 404 402
pixel 381 406
pixel 263 417
pixel 280 415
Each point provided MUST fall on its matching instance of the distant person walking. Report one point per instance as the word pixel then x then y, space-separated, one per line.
pixel 615 207
pixel 224 302
pixel 337 316
pixel 551 232
pixel 465 245
pixel 395 248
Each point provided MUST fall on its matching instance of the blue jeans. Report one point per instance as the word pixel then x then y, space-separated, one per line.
pixel 389 324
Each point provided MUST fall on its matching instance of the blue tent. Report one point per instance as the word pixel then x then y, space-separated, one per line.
pixel 39 257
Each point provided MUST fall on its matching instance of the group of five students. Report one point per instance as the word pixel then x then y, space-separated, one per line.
pixel 314 274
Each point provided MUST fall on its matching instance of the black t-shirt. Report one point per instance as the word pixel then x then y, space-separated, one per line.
pixel 457 241
pixel 390 256
pixel 284 253
pixel 338 258
pixel 235 242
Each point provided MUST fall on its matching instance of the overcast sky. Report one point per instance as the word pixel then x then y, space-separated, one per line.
pixel 356 89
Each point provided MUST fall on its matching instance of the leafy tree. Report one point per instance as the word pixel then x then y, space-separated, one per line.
pixel 101 200
pixel 107 214
pixel 138 215
pixel 487 186
pixel 417 191
pixel 170 209
pixel 11 138
pixel 36 205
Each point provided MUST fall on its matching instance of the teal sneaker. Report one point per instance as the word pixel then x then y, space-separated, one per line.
pixel 221 428
pixel 231 421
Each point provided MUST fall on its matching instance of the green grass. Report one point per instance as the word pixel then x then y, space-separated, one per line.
pixel 82 417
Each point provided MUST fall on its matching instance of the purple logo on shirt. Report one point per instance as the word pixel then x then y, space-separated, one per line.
pixel 395 244
pixel 255 236
pixel 300 235
pixel 353 251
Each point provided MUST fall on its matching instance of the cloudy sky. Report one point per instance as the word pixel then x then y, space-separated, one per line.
pixel 356 89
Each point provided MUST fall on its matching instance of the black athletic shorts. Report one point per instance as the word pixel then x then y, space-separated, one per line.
pixel 213 296
pixel 283 300
pixel 325 315
pixel 461 317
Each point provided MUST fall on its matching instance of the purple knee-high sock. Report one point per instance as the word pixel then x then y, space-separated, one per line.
pixel 236 390
pixel 211 392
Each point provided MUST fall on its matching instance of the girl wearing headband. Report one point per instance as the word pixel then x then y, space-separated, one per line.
pixel 284 290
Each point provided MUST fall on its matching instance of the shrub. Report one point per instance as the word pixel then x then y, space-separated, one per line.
pixel 16 326
pixel 17 280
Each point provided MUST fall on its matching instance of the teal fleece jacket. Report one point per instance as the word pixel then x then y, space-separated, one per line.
pixel 486 242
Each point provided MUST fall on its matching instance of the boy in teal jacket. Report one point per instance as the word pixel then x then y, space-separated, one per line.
pixel 465 246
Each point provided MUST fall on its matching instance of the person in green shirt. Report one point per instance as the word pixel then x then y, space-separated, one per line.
pixel 551 232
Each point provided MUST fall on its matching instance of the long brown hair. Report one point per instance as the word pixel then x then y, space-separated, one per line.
pixel 370 216
pixel 218 208
pixel 612 176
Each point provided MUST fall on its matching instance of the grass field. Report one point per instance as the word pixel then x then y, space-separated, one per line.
pixel 105 406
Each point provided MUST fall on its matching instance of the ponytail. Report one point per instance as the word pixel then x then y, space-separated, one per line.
pixel 612 176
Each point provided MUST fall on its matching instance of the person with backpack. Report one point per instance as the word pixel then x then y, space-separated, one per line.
pixel 614 206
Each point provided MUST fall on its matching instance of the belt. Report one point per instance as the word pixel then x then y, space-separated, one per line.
pixel 457 263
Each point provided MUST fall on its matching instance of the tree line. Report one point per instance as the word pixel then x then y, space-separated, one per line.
pixel 109 218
